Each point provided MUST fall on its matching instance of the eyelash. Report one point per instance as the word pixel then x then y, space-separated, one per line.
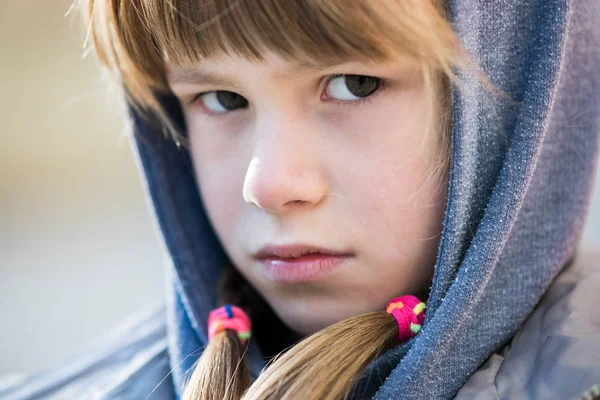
pixel 346 103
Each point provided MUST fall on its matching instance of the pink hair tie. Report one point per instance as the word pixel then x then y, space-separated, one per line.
pixel 229 317
pixel 409 313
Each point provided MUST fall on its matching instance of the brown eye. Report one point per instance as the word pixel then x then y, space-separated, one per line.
pixel 222 101
pixel 352 87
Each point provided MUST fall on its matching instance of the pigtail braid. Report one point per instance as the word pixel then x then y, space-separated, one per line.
pixel 327 365
pixel 221 372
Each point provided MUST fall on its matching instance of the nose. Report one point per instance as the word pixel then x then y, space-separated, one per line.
pixel 286 170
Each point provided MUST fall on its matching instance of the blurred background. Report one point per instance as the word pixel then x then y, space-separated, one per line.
pixel 78 251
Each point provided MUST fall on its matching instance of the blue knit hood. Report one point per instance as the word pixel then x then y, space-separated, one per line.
pixel 520 182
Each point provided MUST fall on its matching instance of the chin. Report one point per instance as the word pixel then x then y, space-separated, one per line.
pixel 306 317
pixel 304 325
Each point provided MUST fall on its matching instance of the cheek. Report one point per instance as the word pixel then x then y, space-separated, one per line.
pixel 389 150
pixel 404 209
pixel 220 204
pixel 220 179
pixel 390 179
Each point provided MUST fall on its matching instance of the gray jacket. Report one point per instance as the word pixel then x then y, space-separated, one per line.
pixel 555 349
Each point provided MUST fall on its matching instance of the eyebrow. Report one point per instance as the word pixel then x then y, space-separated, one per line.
pixel 197 76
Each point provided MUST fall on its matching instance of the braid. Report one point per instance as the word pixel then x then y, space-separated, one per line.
pixel 221 371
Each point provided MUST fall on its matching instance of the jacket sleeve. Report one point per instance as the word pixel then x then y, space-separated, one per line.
pixel 556 354
pixel 131 363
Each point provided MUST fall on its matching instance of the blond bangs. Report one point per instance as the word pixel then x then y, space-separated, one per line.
pixel 134 38
pixel 312 31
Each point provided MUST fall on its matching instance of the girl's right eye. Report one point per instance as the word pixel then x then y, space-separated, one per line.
pixel 221 101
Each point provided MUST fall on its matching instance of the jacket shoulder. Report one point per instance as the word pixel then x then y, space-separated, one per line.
pixel 556 353
pixel 131 363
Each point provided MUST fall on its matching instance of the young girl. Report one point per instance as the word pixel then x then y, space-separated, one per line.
pixel 359 199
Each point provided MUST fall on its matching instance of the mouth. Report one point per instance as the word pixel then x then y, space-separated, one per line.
pixel 299 263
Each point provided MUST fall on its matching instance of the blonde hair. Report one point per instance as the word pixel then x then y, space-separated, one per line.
pixel 133 39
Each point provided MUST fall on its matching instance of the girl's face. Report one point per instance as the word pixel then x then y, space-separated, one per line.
pixel 331 158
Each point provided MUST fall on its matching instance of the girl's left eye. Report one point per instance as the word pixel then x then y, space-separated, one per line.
pixel 352 87
pixel 221 101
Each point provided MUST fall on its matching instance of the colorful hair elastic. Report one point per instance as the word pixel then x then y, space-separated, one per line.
pixel 229 317
pixel 409 313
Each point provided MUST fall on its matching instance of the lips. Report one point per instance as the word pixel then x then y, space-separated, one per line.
pixel 299 263
pixel 295 251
